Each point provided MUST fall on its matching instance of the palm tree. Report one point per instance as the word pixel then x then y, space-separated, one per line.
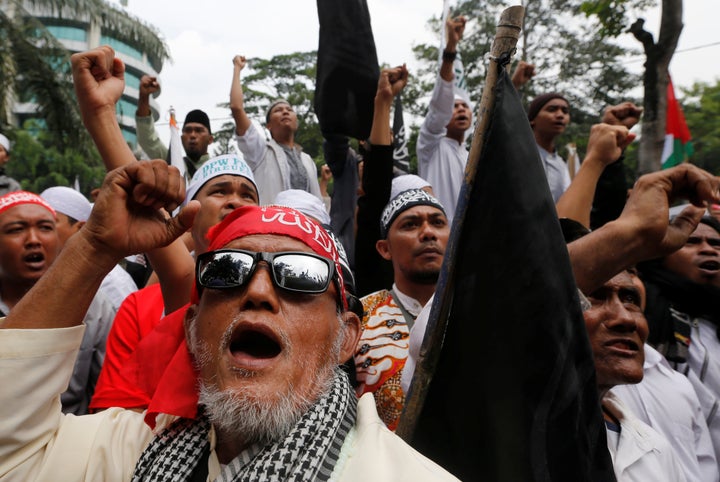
pixel 35 66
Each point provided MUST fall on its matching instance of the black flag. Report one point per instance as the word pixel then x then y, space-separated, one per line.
pixel 513 396
pixel 401 156
pixel 347 69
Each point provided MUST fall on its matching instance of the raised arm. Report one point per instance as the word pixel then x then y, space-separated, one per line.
pixel 237 100
pixel 605 146
pixel 372 272
pixel 126 219
pixel 454 29
pixel 643 230
pixel 99 79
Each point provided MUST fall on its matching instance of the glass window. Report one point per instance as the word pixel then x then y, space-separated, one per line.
pixel 62 32
pixel 121 47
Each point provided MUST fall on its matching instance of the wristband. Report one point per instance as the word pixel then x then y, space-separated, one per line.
pixel 449 56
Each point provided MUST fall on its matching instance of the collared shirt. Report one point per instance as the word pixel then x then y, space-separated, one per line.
pixel 666 401
pixel 556 172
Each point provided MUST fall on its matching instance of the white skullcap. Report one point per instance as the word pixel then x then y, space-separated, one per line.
pixel 5 142
pixel 306 203
pixel 232 164
pixel 68 201
pixel 406 182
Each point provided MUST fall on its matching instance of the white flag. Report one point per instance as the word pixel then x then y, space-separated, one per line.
pixel 175 152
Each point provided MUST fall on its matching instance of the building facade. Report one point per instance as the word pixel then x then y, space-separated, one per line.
pixel 78 31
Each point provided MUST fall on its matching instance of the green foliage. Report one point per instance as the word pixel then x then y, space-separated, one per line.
pixel 567 48
pixel 701 106
pixel 290 77
pixel 37 163
pixel 613 15
pixel 35 67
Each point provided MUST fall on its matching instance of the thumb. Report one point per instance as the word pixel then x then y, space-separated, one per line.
pixel 183 220
pixel 684 224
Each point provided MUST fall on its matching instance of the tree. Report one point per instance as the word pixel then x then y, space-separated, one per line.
pixel 37 163
pixel 702 110
pixel 35 67
pixel 565 45
pixel 613 14
pixel 287 76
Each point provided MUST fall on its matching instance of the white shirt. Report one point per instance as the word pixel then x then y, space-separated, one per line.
pixel 640 454
pixel 117 285
pixel 666 401
pixel 556 172
pixel 441 160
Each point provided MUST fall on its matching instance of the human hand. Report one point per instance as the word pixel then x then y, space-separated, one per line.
pixel 524 72
pixel 606 143
pixel 130 213
pixel 148 85
pixel 391 82
pixel 624 114
pixel 99 80
pixel 454 29
pixel 239 62
pixel 325 174
pixel 647 209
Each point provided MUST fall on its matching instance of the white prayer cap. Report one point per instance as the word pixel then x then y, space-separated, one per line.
pixel 405 182
pixel 232 164
pixel 306 203
pixel 5 142
pixel 68 201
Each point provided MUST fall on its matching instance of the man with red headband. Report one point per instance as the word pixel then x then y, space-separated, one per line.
pixel 266 332
pixel 29 244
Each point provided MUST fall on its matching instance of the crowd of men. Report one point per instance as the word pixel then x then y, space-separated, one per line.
pixel 277 337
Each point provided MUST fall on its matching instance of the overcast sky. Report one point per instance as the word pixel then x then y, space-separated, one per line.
pixel 204 36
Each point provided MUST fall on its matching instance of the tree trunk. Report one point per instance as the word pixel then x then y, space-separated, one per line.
pixel 655 81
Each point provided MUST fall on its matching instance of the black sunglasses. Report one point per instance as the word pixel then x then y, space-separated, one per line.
pixel 298 272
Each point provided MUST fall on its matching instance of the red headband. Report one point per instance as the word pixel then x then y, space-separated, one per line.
pixel 16 198
pixel 277 220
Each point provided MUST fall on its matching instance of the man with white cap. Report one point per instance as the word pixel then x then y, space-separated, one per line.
pixel 73 209
pixel 441 150
pixel 29 244
pixel 7 183
pixel 278 163
pixel 414 231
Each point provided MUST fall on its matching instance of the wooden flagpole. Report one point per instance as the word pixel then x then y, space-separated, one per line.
pixel 506 37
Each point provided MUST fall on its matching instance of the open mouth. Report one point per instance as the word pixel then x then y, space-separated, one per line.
pixel 252 344
pixel 711 265
pixel 34 260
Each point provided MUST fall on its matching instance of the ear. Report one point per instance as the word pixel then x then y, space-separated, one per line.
pixel 78 225
pixel 212 139
pixel 190 316
pixel 351 325
pixel 383 248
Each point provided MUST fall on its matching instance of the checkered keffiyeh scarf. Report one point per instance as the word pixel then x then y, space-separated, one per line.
pixel 308 452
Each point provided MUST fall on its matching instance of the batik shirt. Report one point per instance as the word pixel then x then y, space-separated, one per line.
pixel 383 350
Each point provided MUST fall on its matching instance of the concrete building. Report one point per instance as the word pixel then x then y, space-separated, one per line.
pixel 79 31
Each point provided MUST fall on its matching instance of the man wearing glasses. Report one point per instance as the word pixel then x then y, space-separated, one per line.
pixel 266 332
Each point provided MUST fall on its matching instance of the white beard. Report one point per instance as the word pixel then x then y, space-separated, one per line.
pixel 240 414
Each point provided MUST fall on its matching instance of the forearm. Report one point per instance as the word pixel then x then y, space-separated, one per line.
pixel 105 132
pixel 143 107
pixel 576 201
pixel 237 104
pixel 75 275
pixel 600 255
pixel 175 269
pixel 380 134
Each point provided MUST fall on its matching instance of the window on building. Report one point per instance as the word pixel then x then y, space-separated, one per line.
pixel 121 47
pixel 63 32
